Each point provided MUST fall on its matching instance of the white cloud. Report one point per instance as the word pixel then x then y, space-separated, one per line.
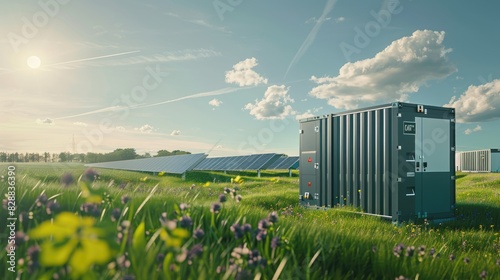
pixel 145 128
pixel 340 19
pixel 120 128
pixel 215 102
pixel 478 103
pixel 175 132
pixel 400 69
pixel 243 75
pixel 475 129
pixel 80 124
pixel 274 105
pixel 304 115
pixel 47 121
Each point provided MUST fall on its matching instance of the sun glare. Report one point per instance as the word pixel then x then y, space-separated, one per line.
pixel 34 62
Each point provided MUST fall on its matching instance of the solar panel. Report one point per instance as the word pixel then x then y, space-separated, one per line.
pixel 262 161
pixel 285 163
pixel 170 164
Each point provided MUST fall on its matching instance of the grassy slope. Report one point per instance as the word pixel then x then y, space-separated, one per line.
pixel 321 243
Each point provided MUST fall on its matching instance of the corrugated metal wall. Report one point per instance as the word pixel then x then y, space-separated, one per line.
pixel 475 161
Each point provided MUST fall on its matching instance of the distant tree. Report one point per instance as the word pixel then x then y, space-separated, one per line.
pixel 164 153
pixel 3 157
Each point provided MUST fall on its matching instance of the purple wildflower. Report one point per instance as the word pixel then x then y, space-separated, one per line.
pixel 237 230
pixel 238 198
pixel 261 235
pixel 33 252
pixel 215 208
pixel 195 251
pixel 67 179
pixel 410 250
pixel 186 222
pixel 273 217
pixel 246 228
pixel 125 199
pixel 432 251
pixel 263 224
pixel 90 208
pixel 115 214
pixel 198 233
pixel 452 257
pixel 51 207
pixel 398 249
pixel 466 260
pixel 222 198
pixel 275 242
pixel 90 175
pixel 227 190
pixel 41 200
pixel 483 274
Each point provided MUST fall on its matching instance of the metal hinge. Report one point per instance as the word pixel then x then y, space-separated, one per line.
pixel 316 165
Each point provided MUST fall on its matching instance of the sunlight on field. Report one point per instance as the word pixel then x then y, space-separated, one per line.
pixel 239 226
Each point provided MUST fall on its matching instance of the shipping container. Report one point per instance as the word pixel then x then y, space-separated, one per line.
pixel 395 160
pixel 487 160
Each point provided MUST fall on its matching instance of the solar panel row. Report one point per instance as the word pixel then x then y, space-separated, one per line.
pixel 182 163
pixel 285 162
pixel 233 163
pixel 170 164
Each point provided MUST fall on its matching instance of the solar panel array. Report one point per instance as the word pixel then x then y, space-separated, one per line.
pixel 285 162
pixel 238 163
pixel 178 164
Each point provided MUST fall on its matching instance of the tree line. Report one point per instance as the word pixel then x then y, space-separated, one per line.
pixel 118 154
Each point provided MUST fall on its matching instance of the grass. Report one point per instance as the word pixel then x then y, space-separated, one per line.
pixel 160 241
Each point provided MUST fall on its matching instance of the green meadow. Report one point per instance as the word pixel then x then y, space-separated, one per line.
pixel 74 223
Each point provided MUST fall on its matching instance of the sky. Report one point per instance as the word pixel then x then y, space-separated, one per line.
pixel 232 77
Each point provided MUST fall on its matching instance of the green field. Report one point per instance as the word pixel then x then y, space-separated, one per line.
pixel 85 230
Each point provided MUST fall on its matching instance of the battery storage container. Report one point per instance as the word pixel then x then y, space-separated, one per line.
pixel 395 160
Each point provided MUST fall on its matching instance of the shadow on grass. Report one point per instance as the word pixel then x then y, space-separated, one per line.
pixel 469 215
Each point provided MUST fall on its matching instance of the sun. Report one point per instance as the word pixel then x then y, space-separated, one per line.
pixel 34 62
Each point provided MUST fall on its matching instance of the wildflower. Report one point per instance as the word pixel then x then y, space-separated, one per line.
pixel 122 185
pixel 275 242
pixel 90 208
pixel 195 251
pixel 263 224
pixel 90 175
pixel 432 251
pixel 73 240
pixel 398 249
pixel 401 277
pixel 273 217
pixel 67 179
pixel 115 214
pixel 186 222
pixel 410 250
pixel 125 199
pixel 41 200
pixel 466 260
pixel 222 198
pixel 32 253
pixel 192 186
pixel 227 190
pixel 238 198
pixel 483 274
pixel 165 222
pixel 51 207
pixel 198 233
pixel 237 230
pixel 215 208
pixel 451 257
pixel 246 228
pixel 261 235
pixel 21 238
pixel 183 206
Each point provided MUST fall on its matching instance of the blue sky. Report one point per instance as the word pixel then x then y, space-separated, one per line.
pixel 231 77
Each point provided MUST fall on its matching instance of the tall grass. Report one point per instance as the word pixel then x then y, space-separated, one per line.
pixel 153 237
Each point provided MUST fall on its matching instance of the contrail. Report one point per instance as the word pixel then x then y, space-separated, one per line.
pixel 138 106
pixel 91 58
pixel 311 36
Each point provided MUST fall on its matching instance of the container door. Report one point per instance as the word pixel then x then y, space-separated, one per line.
pixel 432 166
pixel 309 163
